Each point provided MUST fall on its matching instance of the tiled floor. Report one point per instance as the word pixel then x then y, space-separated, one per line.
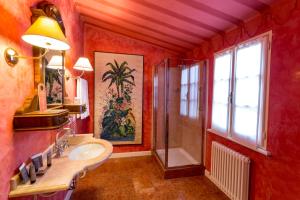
pixel 139 178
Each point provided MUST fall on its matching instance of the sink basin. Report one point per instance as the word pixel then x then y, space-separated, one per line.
pixel 86 151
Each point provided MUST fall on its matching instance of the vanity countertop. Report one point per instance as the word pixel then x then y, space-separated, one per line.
pixel 60 175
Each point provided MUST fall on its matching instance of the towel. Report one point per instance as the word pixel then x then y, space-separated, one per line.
pixel 83 96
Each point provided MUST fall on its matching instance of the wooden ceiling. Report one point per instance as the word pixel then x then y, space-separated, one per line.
pixel 177 25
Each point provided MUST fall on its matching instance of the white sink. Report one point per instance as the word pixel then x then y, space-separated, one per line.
pixel 86 151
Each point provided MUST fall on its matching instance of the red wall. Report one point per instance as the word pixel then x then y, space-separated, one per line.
pixel 272 178
pixel 96 39
pixel 276 177
pixel 16 83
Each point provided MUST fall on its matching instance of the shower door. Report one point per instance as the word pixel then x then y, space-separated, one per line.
pixel 178 112
pixel 160 112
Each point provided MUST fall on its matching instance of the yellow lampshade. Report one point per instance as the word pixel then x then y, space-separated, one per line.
pixel 46 33
pixel 55 62
pixel 83 64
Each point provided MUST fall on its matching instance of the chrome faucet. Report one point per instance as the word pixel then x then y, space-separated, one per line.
pixel 61 143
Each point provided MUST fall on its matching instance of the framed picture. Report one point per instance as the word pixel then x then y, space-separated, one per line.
pixel 118 110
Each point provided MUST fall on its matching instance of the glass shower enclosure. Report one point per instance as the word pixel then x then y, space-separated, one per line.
pixel 178 101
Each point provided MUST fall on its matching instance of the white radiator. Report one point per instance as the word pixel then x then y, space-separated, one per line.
pixel 230 171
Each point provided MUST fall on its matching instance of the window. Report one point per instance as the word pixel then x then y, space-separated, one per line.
pixel 189 92
pixel 239 97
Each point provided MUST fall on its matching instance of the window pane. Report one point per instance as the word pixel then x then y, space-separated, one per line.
pixel 193 107
pixel 221 92
pixel 247 92
pixel 220 116
pixel 194 91
pixel 222 67
pixel 183 99
pixel 245 123
pixel 248 60
pixel 220 111
pixel 193 112
pixel 194 74
pixel 184 76
pixel 184 92
pixel 183 108
pixel 193 98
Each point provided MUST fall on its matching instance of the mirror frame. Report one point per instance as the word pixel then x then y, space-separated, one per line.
pixel 44 8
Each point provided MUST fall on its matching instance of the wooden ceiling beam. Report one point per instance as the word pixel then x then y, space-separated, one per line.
pixel 153 20
pixel 135 35
pixel 121 27
pixel 254 4
pixel 178 16
pixel 139 25
pixel 211 11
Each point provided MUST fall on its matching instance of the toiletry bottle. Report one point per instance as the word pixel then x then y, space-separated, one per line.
pixel 24 173
pixel 37 161
pixel 32 174
pixel 49 158
pixel 41 160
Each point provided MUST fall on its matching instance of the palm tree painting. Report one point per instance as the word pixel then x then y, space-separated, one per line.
pixel 118 121
pixel 119 75
pixel 118 97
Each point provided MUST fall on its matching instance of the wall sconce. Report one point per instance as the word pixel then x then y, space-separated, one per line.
pixel 83 64
pixel 55 62
pixel 44 33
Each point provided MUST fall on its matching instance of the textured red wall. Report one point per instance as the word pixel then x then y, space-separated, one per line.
pixel 276 177
pixel 96 39
pixel 17 83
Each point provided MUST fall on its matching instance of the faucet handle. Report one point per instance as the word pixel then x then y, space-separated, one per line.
pixel 65 144
pixel 58 150
pixel 68 131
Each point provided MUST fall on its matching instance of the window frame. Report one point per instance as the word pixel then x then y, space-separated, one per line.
pixel 264 98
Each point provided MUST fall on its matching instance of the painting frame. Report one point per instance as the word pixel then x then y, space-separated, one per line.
pixel 138 134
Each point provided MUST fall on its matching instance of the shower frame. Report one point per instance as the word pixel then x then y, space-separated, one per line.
pixel 186 170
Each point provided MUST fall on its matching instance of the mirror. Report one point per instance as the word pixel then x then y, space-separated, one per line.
pixel 50 69
pixel 54 77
